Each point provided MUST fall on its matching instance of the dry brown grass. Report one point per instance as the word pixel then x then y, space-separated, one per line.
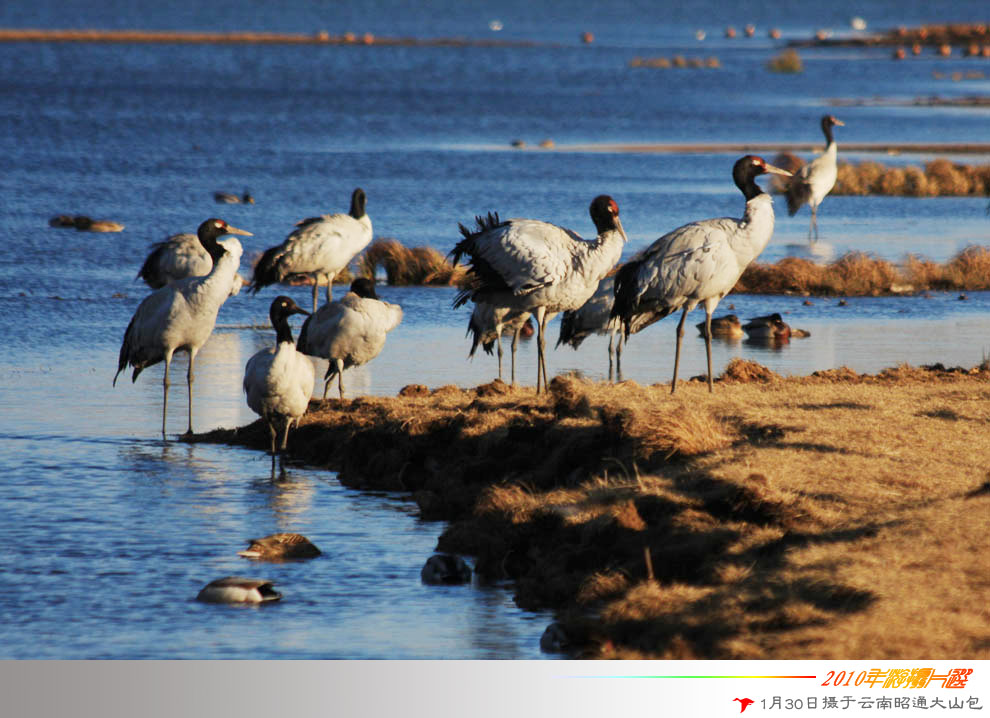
pixel 789 61
pixel 816 517
pixel 939 178
pixel 408 265
pixel 858 274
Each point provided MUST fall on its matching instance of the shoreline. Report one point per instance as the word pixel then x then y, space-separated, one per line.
pixel 698 525
pixel 768 147
pixel 242 37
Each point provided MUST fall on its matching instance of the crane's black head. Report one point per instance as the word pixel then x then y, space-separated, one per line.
pixel 604 213
pixel 828 122
pixel 358 202
pixel 282 308
pixel 364 287
pixel 82 222
pixel 211 230
pixel 747 169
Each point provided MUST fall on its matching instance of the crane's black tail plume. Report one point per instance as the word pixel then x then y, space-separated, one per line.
pixel 624 306
pixel 798 194
pixel 266 271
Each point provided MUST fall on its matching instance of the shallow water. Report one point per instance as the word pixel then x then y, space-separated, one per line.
pixel 110 532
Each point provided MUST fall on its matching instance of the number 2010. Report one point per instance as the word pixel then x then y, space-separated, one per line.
pixel 843 679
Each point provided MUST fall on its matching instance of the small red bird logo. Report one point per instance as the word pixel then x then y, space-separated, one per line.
pixel 744 703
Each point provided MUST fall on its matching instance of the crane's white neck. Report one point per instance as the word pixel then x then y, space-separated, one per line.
pixel 220 277
pixel 756 228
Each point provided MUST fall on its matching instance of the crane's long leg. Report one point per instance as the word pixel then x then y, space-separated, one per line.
pixel 340 376
pixel 272 433
pixel 618 356
pixel 541 314
pixel 329 288
pixel 285 434
pixel 165 386
pixel 498 347
pixel 677 352
pixel 814 220
pixel 611 339
pixel 708 345
pixel 515 343
pixel 190 378
pixel 316 291
pixel 326 387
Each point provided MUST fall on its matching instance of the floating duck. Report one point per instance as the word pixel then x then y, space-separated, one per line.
pixel 227 198
pixel 446 569
pixel 236 589
pixel 769 328
pixel 280 547
pixel 727 327
pixel 85 224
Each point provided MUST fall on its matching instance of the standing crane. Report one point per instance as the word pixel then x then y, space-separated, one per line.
pixel 181 316
pixel 349 332
pixel 279 380
pixel 178 257
pixel 486 326
pixel 816 179
pixel 319 246
pixel 595 317
pixel 699 262
pixel 529 265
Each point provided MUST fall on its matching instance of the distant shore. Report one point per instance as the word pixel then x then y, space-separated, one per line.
pixel 892 148
pixel 244 38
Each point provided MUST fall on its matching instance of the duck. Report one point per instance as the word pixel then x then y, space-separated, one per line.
pixel 445 569
pixel 227 198
pixel 726 327
pixel 280 547
pixel 86 224
pixel 237 589
pixel 771 327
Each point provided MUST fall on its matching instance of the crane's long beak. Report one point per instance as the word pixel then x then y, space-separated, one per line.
pixel 777 170
pixel 298 310
pixel 840 123
pixel 618 226
pixel 234 230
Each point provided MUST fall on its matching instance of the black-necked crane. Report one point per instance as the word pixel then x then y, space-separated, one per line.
pixel 349 332
pixel 319 246
pixel 700 262
pixel 178 257
pixel 486 326
pixel 181 316
pixel 595 317
pixel 816 179
pixel 530 265
pixel 278 381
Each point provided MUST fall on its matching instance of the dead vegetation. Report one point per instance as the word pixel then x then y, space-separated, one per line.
pixel 938 178
pixel 858 274
pixel 832 516
pixel 408 265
